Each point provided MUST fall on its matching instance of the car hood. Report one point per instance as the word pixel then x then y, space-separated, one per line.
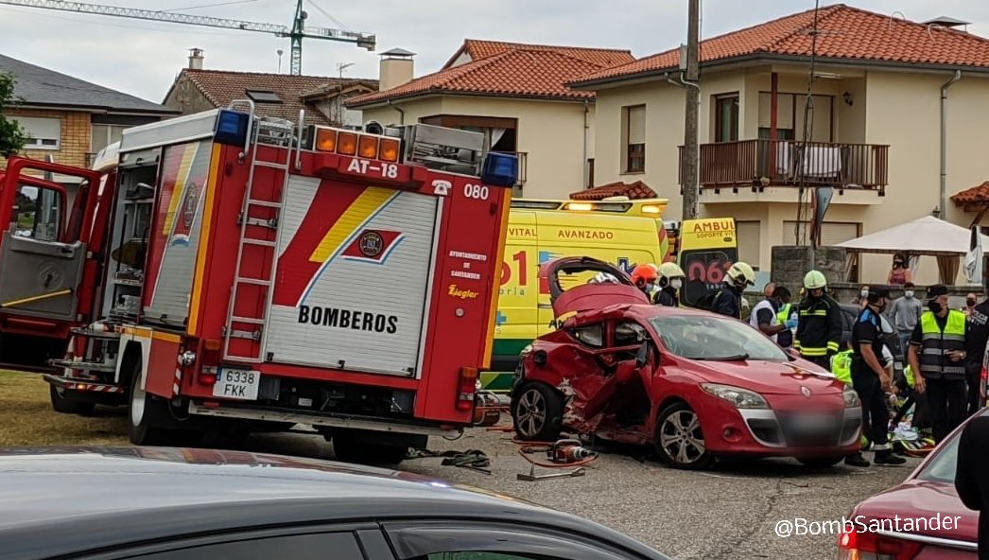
pixel 922 498
pixel 770 378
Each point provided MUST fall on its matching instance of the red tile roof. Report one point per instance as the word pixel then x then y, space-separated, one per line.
pixel 605 58
pixel 220 87
pixel 844 32
pixel 634 190
pixel 508 70
pixel 976 194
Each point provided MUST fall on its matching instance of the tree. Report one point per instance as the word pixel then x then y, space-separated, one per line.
pixel 12 136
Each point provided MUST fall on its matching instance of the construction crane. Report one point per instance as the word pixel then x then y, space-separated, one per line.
pixel 296 33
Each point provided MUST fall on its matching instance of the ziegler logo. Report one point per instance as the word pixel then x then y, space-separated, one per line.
pixel 456 292
pixel 371 244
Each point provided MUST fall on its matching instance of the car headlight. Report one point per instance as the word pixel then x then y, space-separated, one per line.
pixel 526 350
pixel 851 397
pixel 741 398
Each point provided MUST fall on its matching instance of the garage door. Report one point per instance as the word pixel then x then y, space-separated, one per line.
pixel 352 276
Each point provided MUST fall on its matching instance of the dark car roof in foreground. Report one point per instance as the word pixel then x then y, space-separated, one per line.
pixel 109 496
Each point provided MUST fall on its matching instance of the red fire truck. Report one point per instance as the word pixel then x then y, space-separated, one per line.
pixel 261 274
pixel 53 230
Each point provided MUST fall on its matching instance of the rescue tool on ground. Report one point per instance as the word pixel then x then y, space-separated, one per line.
pixel 249 281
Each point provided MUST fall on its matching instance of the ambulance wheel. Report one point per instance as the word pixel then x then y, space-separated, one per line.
pixel 147 413
pixel 63 402
pixel 679 439
pixel 357 446
pixel 537 412
pixel 820 462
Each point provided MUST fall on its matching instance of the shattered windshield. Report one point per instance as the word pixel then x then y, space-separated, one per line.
pixel 715 338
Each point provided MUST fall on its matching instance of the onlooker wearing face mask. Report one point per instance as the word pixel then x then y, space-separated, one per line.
pixel 977 324
pixel 863 298
pixel 904 314
pixel 970 300
pixel 899 275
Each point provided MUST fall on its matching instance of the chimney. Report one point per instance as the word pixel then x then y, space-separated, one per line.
pixel 195 59
pixel 395 68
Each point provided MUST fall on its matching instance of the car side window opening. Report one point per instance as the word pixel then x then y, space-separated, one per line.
pixel 294 547
pixel 629 333
pixel 590 335
pixel 37 213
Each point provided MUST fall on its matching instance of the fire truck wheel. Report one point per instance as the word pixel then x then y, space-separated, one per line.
pixel 354 446
pixel 147 414
pixel 63 402
pixel 537 412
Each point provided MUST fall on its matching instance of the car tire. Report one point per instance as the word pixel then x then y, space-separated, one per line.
pixel 537 412
pixel 353 446
pixel 679 438
pixel 146 414
pixel 64 403
pixel 820 462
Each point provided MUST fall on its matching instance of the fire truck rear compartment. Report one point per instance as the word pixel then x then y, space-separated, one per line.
pixel 321 398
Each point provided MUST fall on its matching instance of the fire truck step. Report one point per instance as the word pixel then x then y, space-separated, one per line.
pixel 265 203
pixel 271 164
pixel 254 281
pixel 250 335
pixel 260 242
pixel 248 320
pixel 95 334
pixel 84 366
pixel 262 222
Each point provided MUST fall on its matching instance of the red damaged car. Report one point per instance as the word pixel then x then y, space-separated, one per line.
pixel 693 384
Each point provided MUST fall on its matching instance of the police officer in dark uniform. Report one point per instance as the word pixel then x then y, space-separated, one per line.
pixel 870 378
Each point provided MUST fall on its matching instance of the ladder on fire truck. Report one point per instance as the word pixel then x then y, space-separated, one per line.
pixel 278 133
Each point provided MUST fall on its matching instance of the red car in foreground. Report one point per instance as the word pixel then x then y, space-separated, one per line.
pixel 693 384
pixel 921 519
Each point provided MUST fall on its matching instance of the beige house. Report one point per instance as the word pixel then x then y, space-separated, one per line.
pixel 515 94
pixel 874 133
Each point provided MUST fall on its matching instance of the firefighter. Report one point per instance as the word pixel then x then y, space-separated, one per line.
pixel 728 300
pixel 937 354
pixel 644 277
pixel 871 379
pixel 670 281
pixel 819 322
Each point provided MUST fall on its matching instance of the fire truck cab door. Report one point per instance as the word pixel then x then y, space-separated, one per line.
pixel 40 270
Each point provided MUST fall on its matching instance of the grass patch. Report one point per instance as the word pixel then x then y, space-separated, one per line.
pixel 27 418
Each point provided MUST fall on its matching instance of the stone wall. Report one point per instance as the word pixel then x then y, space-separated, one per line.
pixel 791 263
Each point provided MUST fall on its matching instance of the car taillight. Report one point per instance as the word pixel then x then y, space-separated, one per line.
pixel 467 388
pixel 855 545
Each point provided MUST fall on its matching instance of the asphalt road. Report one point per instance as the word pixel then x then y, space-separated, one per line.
pixel 729 512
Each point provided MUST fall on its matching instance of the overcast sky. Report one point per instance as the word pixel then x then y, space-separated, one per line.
pixel 142 58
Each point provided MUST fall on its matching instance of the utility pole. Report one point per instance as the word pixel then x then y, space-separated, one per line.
pixel 691 155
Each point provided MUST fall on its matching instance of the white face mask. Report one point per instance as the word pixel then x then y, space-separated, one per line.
pixel 908 294
pixel 676 283
pixel 864 293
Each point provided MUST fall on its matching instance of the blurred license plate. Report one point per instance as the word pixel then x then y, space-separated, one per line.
pixel 814 421
pixel 237 384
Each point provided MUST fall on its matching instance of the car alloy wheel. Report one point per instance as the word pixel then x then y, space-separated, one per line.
pixel 680 440
pixel 531 413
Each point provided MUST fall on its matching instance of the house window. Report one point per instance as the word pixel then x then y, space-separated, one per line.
pixel 43 134
pixel 726 117
pixel 103 135
pixel 263 96
pixel 634 136
pixel 790 113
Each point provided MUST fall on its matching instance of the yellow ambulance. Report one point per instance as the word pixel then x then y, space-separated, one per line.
pixel 706 248
pixel 620 231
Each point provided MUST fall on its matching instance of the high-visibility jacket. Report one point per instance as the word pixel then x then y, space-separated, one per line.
pixel 841 366
pixel 934 363
pixel 784 313
pixel 818 327
pixel 908 373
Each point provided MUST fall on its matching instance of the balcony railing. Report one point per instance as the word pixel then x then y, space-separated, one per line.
pixel 762 163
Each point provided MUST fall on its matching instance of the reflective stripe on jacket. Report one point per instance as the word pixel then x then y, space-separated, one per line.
pixel 937 343
pixel 818 327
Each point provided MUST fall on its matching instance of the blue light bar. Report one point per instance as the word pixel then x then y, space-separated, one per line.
pixel 500 169
pixel 231 128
